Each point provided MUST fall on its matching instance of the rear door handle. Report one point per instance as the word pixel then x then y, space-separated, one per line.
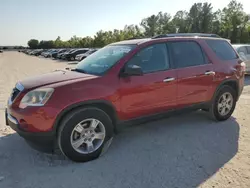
pixel 168 79
pixel 210 73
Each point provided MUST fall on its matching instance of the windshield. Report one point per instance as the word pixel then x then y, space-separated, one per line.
pixel 102 60
pixel 82 51
pixel 71 52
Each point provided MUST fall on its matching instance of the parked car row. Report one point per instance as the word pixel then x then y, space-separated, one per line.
pixel 70 54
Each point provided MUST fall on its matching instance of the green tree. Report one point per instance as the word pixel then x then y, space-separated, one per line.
pixel 165 25
pixel 86 42
pixel 194 18
pixel 180 22
pixel 58 43
pixel 229 22
pixel 150 25
pixel 46 44
pixel 234 21
pixel 75 41
pixel 33 43
pixel 207 17
pixel 217 22
pixel 99 39
pixel 201 18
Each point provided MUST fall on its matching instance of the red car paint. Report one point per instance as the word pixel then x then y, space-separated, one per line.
pixel 131 97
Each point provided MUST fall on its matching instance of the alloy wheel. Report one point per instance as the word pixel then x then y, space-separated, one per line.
pixel 225 103
pixel 87 136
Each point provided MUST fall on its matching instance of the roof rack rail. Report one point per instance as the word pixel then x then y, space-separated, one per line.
pixel 186 35
pixel 132 38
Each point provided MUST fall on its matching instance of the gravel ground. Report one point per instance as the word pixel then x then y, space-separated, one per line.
pixel 184 151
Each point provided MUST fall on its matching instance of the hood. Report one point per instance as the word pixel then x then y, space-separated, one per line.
pixel 53 77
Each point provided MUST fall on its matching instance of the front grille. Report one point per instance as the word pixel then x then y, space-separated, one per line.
pixel 14 94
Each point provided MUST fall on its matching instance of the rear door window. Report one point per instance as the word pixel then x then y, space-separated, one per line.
pixel 187 54
pixel 242 49
pixel 222 49
pixel 248 50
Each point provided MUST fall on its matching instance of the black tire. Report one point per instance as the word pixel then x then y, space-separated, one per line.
pixel 67 126
pixel 214 112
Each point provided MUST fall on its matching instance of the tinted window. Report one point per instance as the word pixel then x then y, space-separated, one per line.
pixel 248 50
pixel 222 49
pixel 83 51
pixel 151 59
pixel 242 49
pixel 186 54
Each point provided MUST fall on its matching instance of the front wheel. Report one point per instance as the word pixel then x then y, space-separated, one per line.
pixel 224 104
pixel 85 134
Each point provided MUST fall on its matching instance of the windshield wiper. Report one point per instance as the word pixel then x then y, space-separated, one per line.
pixel 78 70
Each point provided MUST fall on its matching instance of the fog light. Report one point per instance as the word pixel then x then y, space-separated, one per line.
pixel 23 125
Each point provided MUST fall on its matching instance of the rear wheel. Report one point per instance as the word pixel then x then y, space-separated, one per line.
pixel 224 104
pixel 85 134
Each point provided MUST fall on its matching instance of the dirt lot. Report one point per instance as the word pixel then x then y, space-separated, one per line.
pixel 183 151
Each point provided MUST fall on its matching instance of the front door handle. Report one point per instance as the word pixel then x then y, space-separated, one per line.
pixel 210 73
pixel 168 79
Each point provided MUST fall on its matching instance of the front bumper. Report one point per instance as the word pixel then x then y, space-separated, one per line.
pixel 42 141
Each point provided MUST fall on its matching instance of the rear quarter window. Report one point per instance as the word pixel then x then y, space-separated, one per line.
pixel 187 54
pixel 222 49
pixel 248 50
pixel 243 49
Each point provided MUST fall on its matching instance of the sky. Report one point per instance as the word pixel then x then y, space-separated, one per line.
pixel 21 20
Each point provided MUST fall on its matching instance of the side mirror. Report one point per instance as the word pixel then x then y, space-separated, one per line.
pixel 133 70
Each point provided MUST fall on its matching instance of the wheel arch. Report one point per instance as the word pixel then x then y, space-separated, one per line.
pixel 232 83
pixel 104 105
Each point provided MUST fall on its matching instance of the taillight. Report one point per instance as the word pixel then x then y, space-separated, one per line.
pixel 243 66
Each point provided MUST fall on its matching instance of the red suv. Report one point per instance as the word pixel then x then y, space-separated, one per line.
pixel 78 110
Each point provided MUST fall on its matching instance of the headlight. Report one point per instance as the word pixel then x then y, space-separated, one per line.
pixel 37 97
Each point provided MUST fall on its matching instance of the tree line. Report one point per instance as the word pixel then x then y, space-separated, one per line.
pixel 231 22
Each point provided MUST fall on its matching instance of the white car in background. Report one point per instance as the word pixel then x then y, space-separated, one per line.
pixel 244 53
pixel 80 57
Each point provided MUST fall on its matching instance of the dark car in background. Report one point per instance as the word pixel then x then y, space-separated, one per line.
pixel 82 56
pixel 71 56
pixel 47 52
pixel 47 55
pixel 61 55
pixel 37 52
pixel 54 54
